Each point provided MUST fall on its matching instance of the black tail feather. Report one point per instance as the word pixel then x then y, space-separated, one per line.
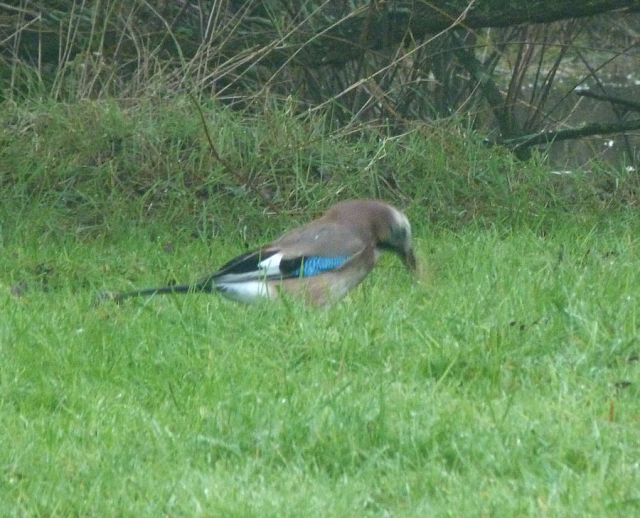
pixel 119 297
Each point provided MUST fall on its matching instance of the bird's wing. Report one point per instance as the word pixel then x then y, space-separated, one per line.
pixel 258 264
pixel 304 252
pixel 321 238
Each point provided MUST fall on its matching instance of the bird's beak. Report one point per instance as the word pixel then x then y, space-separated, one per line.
pixel 409 259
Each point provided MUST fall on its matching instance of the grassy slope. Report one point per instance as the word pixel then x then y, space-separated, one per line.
pixel 505 383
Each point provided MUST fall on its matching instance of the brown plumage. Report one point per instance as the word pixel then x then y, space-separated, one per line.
pixel 320 261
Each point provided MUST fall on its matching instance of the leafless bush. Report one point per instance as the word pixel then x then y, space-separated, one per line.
pixel 361 61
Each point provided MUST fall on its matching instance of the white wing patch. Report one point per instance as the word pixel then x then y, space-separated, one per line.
pixel 251 286
pixel 267 267
pixel 271 265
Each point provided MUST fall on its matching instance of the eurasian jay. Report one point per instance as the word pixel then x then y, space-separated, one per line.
pixel 320 261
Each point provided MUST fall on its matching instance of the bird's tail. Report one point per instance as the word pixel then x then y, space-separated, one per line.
pixel 118 297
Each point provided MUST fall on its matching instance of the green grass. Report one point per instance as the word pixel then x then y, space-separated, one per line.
pixel 505 383
pixel 94 165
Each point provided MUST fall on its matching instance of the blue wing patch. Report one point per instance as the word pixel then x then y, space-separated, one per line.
pixel 315 265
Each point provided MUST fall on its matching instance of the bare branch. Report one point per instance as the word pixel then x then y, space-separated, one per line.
pixel 547 137
pixel 630 105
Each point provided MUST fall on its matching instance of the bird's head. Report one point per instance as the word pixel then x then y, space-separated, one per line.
pixel 393 233
pixel 385 225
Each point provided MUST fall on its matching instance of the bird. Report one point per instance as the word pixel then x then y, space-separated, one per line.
pixel 319 262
